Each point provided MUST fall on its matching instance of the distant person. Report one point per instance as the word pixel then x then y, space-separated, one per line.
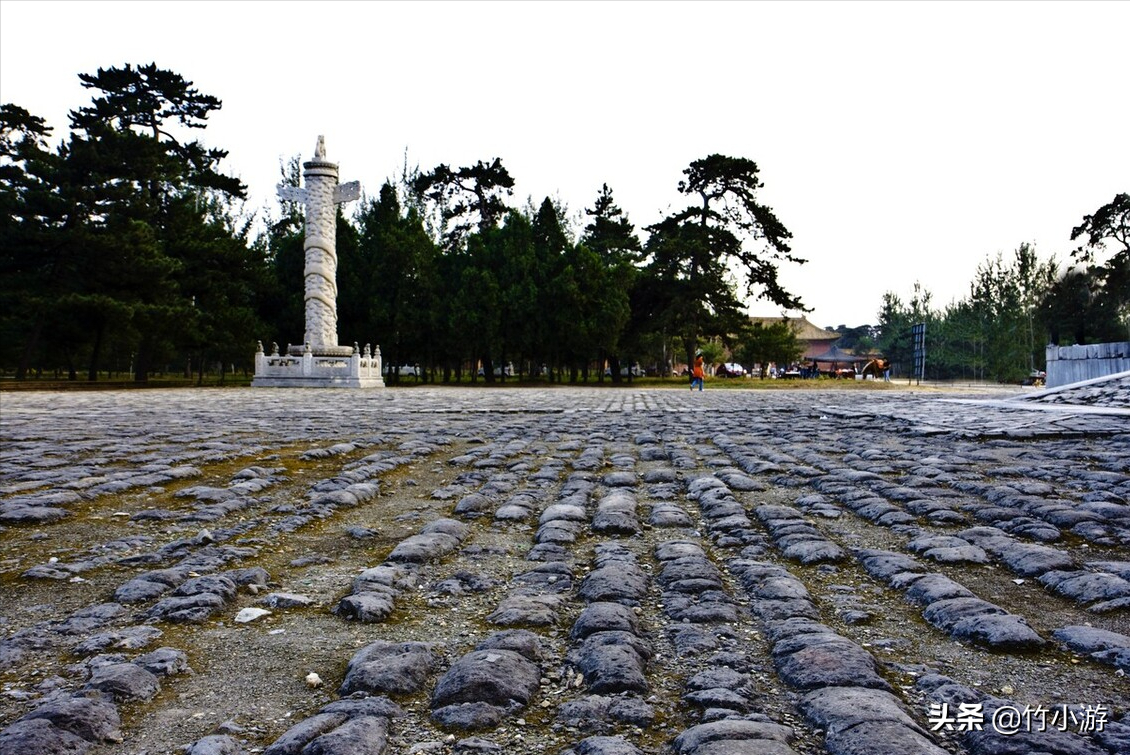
pixel 698 374
pixel 886 371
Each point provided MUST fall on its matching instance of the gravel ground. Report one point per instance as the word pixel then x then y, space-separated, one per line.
pixel 775 571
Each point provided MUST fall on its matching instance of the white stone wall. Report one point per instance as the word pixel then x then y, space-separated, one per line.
pixel 1073 364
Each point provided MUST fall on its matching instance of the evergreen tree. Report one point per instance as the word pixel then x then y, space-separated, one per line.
pixel 896 320
pixel 762 344
pixel 131 147
pixel 692 250
pixel 221 274
pixel 402 299
pixel 1106 256
pixel 469 198
pixel 35 257
pixel 612 237
pixel 610 234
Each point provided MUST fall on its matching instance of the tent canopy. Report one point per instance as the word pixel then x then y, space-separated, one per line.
pixel 835 355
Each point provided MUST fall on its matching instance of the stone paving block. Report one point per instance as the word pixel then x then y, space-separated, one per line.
pixel 812 661
pixel 125 682
pixel 615 745
pixel 1030 560
pixel 925 589
pixel 360 735
pixel 90 719
pixel 386 667
pixel 494 676
pixel 618 583
pixel 1101 644
pixel 215 744
pixel 1085 586
pixel 604 617
pixel 997 632
pixel 883 565
pixel 732 732
pixel 164 662
pixel 880 738
pixel 40 736
pixel 605 713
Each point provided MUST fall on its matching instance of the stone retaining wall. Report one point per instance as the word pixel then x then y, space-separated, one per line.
pixel 1072 364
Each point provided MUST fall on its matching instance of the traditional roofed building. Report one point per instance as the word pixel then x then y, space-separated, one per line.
pixel 816 341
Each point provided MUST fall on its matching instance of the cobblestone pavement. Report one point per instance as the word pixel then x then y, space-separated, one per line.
pixel 559 570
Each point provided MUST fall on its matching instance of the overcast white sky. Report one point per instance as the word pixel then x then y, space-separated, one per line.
pixel 897 141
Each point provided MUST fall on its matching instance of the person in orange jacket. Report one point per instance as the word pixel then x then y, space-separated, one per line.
pixel 698 375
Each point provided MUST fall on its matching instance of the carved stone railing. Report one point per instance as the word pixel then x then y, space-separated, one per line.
pixel 331 370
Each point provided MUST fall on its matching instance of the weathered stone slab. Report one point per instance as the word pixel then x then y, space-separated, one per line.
pixel 1085 586
pixel 816 551
pixel 1030 560
pixel 381 707
pixel 128 638
pixel 883 565
pixel 668 515
pixel 360 735
pixel 964 554
pixel 215 744
pixel 880 738
pixel 124 682
pixel 619 583
pixel 565 511
pixel 473 504
pixel 730 731
pixel 718 697
pixel 1102 645
pixel 604 617
pixel 598 745
pixel 425 547
pixel 495 676
pixel 164 662
pixel 89 718
pixel 605 713
pixel 41 737
pixel 610 669
pixel 527 610
pixel 931 588
pixel 86 620
pixel 287 600
pixel 469 716
pixel 388 668
pixel 812 661
pixel 521 641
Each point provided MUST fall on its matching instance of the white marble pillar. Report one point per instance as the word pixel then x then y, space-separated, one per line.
pixel 320 270
pixel 319 362
pixel 321 195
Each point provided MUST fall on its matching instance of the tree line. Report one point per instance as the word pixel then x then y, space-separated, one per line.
pixel 1018 304
pixel 121 247
pixel 126 249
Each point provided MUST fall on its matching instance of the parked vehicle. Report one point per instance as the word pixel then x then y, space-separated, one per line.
pixel 730 369
pixel 1036 377
pixel 404 369
pixel 635 371
pixel 500 370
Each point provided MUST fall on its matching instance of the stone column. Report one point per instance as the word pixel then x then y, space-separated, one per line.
pixel 320 271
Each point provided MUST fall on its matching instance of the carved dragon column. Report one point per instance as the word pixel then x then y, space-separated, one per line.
pixel 320 271
pixel 321 195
